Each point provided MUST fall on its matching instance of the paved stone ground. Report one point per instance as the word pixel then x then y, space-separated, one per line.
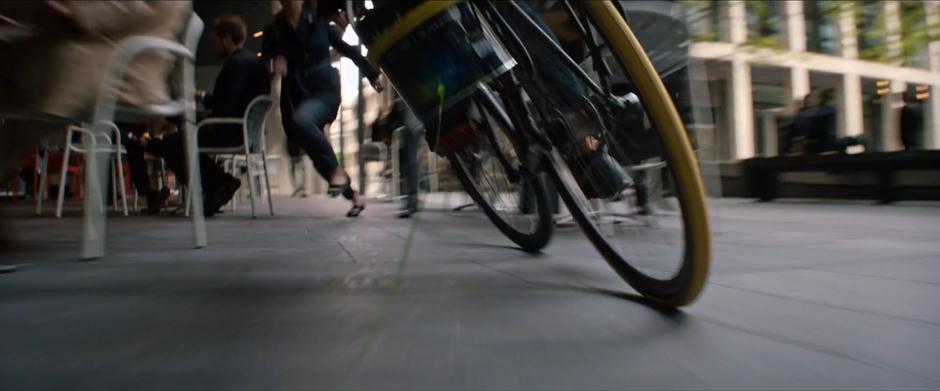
pixel 802 295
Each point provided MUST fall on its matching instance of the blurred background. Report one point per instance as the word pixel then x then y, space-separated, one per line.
pixel 750 66
pixel 823 288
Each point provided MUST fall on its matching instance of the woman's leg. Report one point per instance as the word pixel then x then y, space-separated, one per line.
pixel 308 119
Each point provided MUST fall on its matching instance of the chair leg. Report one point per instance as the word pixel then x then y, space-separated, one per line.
pixel 96 173
pixel 192 163
pixel 123 185
pixel 251 183
pixel 267 182
pixel 234 203
pixel 396 163
pixel 163 179
pixel 63 174
pixel 114 191
pixel 43 181
pixel 188 199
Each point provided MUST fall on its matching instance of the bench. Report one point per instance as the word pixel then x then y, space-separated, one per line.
pixel 762 174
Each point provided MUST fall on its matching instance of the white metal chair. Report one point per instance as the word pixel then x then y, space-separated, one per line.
pixel 117 167
pixel 376 152
pixel 250 151
pixel 107 110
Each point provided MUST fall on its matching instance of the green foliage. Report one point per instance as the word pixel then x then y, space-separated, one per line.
pixel 915 32
pixel 869 18
pixel 706 37
pixel 770 42
pixel 871 30
pixel 763 31
pixel 698 13
pixel 765 18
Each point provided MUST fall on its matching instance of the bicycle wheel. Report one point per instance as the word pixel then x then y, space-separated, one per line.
pixel 631 179
pixel 512 197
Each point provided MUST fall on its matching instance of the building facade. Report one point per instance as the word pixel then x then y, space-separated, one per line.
pixel 757 60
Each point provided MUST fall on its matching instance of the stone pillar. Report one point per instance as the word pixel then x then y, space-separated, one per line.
pixel 848 38
pixel 799 86
pixel 892 103
pixel 742 104
pixel 794 36
pixel 771 134
pixel 736 13
pixel 795 40
pixel 932 105
pixel 892 20
pixel 891 116
pixel 742 109
pixel 850 109
pixel 851 120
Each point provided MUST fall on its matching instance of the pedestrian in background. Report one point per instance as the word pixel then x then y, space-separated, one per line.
pixel 912 122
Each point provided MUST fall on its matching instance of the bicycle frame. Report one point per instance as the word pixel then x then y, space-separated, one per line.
pixel 534 146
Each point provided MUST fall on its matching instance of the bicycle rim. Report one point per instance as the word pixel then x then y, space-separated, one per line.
pixel 654 232
pixel 511 197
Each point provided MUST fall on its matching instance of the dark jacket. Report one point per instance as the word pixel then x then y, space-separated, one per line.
pixel 912 122
pixel 818 125
pixel 307 51
pixel 243 77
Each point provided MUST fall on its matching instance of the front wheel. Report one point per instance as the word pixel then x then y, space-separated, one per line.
pixel 637 193
pixel 512 197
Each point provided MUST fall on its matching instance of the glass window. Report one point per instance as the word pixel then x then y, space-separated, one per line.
pixel 703 19
pixel 820 27
pixel 763 23
pixel 914 34
pixel 870 26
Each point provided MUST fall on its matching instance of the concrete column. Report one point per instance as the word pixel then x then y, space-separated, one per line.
pixel 795 40
pixel 742 109
pixel 739 91
pixel 799 85
pixel 891 116
pixel 736 12
pixel 850 115
pixel 891 105
pixel 794 36
pixel 768 120
pixel 892 18
pixel 851 120
pixel 848 36
pixel 932 105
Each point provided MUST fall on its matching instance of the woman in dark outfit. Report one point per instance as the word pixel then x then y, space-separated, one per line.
pixel 298 43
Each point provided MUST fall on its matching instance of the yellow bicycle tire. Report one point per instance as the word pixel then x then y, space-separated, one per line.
pixel 678 150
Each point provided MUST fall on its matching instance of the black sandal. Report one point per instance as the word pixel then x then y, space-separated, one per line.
pixel 335 190
pixel 356 210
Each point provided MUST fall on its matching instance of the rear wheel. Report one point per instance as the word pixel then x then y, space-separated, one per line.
pixel 511 196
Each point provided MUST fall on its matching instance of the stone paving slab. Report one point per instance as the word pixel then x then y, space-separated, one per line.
pixel 802 295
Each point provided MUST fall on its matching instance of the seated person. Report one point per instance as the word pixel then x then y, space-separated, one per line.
pixel 241 79
pixel 818 125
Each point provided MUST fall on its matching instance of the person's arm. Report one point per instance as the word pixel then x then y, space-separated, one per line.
pixel 271 51
pixel 351 53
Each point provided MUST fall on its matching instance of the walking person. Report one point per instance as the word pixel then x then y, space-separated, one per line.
pixel 912 122
pixel 297 44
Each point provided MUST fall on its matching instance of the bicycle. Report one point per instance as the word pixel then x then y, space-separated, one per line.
pixel 501 61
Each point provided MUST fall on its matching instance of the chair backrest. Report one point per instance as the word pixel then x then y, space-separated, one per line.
pixel 192 33
pixel 256 114
pixel 130 48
